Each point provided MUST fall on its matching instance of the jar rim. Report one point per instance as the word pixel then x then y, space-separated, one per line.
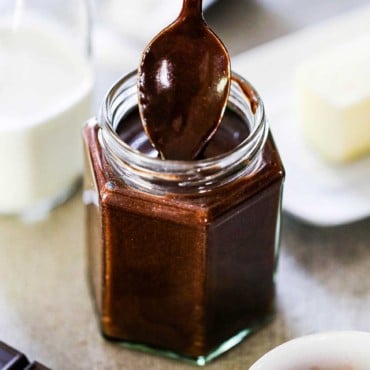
pixel 107 123
pixel 163 176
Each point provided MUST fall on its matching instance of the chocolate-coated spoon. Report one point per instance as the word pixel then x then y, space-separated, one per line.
pixel 183 85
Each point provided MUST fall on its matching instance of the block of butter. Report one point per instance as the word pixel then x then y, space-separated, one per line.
pixel 334 100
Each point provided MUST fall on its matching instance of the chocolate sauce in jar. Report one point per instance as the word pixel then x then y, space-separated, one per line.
pixel 190 268
pixel 183 240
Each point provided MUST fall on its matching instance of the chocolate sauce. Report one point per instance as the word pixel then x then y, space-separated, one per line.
pixel 184 85
pixel 248 92
pixel 177 273
pixel 230 134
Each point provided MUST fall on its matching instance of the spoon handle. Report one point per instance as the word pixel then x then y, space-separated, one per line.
pixel 192 8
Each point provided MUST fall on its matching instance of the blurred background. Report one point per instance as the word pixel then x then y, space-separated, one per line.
pixel 241 24
pixel 269 42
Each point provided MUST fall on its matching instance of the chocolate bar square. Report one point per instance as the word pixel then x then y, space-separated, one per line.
pixel 11 359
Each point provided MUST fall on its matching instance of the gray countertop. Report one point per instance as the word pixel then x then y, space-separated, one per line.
pixel 323 277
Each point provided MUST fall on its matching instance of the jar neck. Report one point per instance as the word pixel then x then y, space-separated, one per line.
pixel 157 176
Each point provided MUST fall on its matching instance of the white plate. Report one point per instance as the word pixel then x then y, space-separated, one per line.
pixel 315 191
pixel 343 350
pixel 142 19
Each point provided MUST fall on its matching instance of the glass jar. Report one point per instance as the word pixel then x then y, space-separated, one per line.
pixel 182 255
pixel 46 81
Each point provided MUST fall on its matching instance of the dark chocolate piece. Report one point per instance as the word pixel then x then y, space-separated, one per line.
pixel 11 359
pixel 36 366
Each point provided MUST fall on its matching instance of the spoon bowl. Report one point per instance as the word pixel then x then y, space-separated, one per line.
pixel 183 85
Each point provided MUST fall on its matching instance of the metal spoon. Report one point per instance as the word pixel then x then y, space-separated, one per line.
pixel 183 86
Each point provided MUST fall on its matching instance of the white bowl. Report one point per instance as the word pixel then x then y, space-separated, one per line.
pixel 346 350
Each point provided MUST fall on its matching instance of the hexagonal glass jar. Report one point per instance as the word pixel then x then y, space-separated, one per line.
pixel 181 255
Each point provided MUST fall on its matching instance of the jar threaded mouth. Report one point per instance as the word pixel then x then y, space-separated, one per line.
pixel 159 176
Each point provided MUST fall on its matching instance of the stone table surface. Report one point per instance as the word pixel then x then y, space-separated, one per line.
pixel 323 276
